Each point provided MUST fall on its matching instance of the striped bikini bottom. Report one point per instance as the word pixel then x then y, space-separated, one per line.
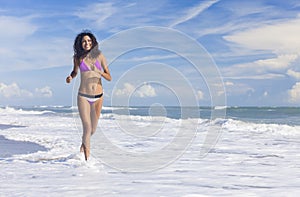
pixel 90 98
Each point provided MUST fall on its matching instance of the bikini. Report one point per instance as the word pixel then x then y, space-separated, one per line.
pixel 90 98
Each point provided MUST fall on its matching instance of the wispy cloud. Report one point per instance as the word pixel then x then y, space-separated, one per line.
pixel 97 13
pixel 261 69
pixel 237 88
pixel 148 58
pixel 279 39
pixel 16 29
pixel 234 17
pixel 194 11
pixel 25 50
pixel 119 15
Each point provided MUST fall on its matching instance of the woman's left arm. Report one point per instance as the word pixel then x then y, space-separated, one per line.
pixel 105 73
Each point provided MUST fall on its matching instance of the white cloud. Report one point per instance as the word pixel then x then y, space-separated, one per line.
pixel 280 38
pixel 44 92
pixel 126 90
pixel 278 63
pixel 200 95
pixel 293 74
pixel 229 83
pixel 14 91
pixel 194 11
pixel 294 94
pixel 146 90
pixel 261 69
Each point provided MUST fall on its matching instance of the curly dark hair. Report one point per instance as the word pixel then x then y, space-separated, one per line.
pixel 79 52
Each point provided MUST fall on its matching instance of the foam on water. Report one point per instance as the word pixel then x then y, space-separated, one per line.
pixel 250 158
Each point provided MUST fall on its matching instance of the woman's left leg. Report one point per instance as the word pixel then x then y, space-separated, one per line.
pixel 95 113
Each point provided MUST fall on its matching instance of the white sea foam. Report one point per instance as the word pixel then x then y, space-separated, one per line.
pixel 250 159
pixel 117 108
pixel 270 129
pixel 12 111
pixel 220 107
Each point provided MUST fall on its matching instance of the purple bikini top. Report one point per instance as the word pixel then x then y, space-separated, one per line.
pixel 83 67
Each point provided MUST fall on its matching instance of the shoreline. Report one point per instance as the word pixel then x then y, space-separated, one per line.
pixel 13 147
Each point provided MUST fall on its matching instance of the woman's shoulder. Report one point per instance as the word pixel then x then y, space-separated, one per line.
pixel 100 56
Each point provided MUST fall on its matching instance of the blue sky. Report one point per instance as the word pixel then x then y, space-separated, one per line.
pixel 254 44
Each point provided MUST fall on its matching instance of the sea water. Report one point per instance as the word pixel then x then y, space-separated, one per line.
pixel 151 153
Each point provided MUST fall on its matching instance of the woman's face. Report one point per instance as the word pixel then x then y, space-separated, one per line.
pixel 86 43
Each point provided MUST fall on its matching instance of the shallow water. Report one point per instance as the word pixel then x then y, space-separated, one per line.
pixel 254 155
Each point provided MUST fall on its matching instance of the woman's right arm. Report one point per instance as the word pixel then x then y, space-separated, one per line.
pixel 74 71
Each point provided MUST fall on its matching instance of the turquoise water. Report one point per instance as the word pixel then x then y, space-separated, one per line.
pixel 274 115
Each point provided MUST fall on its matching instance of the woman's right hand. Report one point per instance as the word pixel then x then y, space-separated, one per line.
pixel 68 79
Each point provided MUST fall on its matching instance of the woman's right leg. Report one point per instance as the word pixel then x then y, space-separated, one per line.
pixel 84 109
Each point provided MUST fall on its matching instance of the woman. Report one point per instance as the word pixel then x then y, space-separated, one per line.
pixel 92 65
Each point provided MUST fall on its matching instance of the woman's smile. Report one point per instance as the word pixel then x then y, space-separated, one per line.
pixel 86 43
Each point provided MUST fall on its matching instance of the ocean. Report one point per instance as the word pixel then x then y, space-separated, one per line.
pixel 151 151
